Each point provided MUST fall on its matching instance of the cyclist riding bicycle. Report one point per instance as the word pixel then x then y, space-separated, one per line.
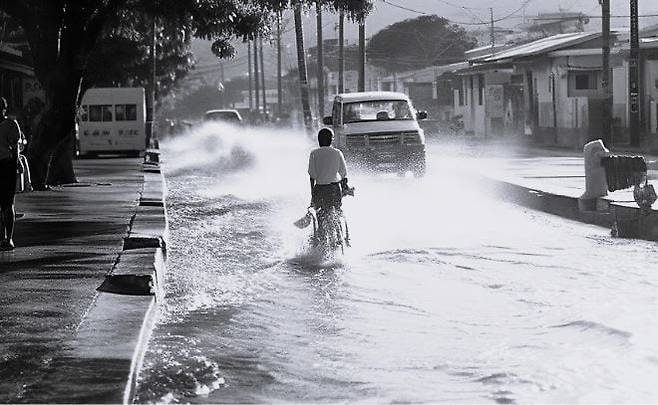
pixel 328 174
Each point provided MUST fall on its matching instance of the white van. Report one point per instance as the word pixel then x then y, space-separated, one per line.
pixel 379 130
pixel 113 120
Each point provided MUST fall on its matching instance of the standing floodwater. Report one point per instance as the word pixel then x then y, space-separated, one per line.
pixel 446 295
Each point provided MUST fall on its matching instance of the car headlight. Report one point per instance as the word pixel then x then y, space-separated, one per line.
pixel 411 138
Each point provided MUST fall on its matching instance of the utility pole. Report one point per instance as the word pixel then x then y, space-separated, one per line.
pixel 362 54
pixel 251 85
pixel 341 51
pixel 262 76
pixel 221 82
pixel 605 76
pixel 320 72
pixel 492 34
pixel 279 87
pixel 301 66
pixel 634 77
pixel 150 130
pixel 256 77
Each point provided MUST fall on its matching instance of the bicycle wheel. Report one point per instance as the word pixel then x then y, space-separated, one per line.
pixel 337 231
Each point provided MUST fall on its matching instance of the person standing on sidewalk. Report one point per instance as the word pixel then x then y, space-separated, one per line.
pixel 10 136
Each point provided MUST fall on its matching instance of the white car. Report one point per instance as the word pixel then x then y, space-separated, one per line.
pixel 228 116
pixel 379 130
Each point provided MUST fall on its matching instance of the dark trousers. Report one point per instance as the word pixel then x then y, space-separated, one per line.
pixel 8 169
pixel 327 196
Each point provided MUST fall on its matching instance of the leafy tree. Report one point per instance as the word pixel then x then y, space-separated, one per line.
pixel 417 43
pixel 63 34
pixel 122 56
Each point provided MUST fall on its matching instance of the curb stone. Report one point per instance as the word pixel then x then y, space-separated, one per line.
pixel 108 348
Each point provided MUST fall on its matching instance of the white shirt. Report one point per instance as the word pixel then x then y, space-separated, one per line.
pixel 326 165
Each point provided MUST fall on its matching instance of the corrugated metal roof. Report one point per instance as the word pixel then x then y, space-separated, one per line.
pixel 540 46
pixel 428 74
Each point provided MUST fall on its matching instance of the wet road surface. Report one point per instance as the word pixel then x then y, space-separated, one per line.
pixel 447 294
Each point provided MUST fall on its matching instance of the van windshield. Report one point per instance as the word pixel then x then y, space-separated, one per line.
pixel 377 110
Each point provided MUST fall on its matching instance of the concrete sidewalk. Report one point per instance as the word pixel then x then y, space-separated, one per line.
pixel 541 180
pixel 68 241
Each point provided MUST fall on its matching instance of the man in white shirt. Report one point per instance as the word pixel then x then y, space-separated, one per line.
pixel 328 173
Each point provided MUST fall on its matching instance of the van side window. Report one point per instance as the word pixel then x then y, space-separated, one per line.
pixel 131 112
pixel 95 113
pixel 125 112
pixel 120 112
pixel 107 113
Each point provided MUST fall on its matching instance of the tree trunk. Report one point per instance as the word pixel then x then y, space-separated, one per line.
pixel 301 65
pixel 320 68
pixel 53 131
pixel 61 36
pixel 61 165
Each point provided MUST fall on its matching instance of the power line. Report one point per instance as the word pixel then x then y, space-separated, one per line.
pixel 403 7
pixel 525 3
pixel 511 15
pixel 462 7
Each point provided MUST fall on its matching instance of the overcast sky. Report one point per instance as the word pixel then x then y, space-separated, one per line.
pixel 464 11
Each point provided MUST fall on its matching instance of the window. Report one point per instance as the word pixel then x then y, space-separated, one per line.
pixel 125 112
pixel 95 113
pixel 460 94
pixel 84 113
pixel 480 89
pixel 472 86
pixel 585 81
pixel 98 113
pixel 120 112
pixel 131 112
pixel 377 110
pixel 107 112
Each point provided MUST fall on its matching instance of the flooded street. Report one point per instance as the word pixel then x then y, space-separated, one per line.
pixel 447 294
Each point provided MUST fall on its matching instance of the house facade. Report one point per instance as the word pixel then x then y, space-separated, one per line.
pixel 429 88
pixel 550 90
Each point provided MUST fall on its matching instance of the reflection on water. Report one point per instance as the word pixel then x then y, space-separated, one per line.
pixel 446 294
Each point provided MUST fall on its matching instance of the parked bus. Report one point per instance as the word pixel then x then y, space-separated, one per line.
pixel 113 120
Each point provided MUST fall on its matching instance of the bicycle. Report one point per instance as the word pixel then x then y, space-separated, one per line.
pixel 330 230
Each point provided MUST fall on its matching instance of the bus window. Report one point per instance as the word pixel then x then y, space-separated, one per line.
pixel 95 113
pixel 131 112
pixel 126 112
pixel 120 112
pixel 107 112
pixel 84 113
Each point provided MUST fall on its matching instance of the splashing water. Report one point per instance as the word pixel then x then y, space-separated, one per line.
pixel 446 295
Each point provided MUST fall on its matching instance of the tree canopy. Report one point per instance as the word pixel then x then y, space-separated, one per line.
pixel 64 34
pixel 417 43
pixel 121 57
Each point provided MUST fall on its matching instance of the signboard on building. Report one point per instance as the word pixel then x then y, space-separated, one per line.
pixel 494 101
